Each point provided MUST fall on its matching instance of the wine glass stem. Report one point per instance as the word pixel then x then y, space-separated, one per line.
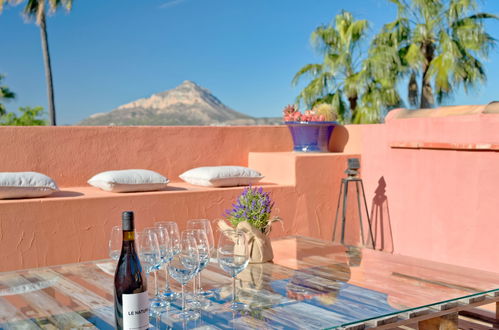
pixel 155 283
pixel 194 289
pixel 167 276
pixel 199 283
pixel 233 289
pixel 183 299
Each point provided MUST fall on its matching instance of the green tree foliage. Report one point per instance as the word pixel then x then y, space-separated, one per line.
pixel 437 46
pixel 29 117
pixel 337 78
pixel 441 43
pixel 36 9
pixel 5 95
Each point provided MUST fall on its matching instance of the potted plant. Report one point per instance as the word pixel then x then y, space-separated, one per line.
pixel 251 213
pixel 311 130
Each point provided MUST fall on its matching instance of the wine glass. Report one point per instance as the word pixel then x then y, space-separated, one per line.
pixel 203 247
pixel 183 267
pixel 165 251
pixel 203 224
pixel 115 242
pixel 173 232
pixel 233 257
pixel 150 259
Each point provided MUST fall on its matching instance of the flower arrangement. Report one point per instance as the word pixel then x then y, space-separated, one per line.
pixel 251 215
pixel 320 112
pixel 254 206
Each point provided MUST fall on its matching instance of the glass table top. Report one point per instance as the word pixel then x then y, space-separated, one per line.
pixel 311 284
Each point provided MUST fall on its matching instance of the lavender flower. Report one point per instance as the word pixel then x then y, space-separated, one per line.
pixel 253 205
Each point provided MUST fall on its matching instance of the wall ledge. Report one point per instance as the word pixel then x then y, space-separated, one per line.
pixel 445 146
pixel 446 111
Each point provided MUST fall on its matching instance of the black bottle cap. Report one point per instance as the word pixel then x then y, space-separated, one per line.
pixel 127 221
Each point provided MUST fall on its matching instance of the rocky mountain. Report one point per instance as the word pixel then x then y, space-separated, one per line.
pixel 187 104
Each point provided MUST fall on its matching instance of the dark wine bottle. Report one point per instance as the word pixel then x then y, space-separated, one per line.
pixel 131 302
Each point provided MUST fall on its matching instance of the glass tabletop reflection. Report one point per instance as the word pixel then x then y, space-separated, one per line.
pixel 310 284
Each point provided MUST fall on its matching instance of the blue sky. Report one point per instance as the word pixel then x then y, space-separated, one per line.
pixel 108 53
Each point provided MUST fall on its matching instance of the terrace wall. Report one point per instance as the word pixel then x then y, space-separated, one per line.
pixel 432 179
pixel 71 155
pixel 74 224
pixel 431 183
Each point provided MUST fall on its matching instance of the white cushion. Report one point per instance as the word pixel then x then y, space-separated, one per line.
pixel 25 184
pixel 221 176
pixel 128 180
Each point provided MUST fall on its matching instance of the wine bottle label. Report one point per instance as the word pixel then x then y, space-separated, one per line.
pixel 135 311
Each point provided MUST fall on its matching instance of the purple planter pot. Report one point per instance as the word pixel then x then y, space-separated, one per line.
pixel 311 136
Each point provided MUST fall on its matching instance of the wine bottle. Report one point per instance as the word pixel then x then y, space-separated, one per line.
pixel 131 302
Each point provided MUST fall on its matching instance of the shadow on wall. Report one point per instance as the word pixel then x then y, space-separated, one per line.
pixel 380 218
pixel 339 139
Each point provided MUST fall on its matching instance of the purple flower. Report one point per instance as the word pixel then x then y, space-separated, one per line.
pixel 253 205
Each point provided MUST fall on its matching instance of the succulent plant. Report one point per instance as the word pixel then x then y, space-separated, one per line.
pixel 325 110
pixel 321 112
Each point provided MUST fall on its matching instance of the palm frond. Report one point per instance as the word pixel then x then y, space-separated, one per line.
pixel 312 70
pixel 317 88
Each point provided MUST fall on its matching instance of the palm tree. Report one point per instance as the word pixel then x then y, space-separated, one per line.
pixel 441 42
pixel 5 95
pixel 37 9
pixel 339 76
pixel 381 73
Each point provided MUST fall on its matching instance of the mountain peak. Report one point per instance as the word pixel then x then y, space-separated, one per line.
pixel 186 87
pixel 188 103
pixel 188 83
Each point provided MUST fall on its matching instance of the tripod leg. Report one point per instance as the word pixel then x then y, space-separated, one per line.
pixel 360 212
pixel 344 214
pixel 367 212
pixel 338 209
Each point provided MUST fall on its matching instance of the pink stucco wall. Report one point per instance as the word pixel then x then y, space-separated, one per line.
pixel 438 189
pixel 431 184
pixel 71 155
pixel 74 224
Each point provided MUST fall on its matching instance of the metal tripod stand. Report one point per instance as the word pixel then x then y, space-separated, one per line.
pixel 352 177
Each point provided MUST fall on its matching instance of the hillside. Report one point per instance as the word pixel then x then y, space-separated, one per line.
pixel 187 104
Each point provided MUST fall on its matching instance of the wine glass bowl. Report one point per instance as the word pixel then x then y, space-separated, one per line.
pixel 232 264
pixel 174 236
pixel 202 244
pixel 150 258
pixel 182 268
pixel 115 242
pixel 173 232
pixel 205 225
pixel 203 247
pixel 233 258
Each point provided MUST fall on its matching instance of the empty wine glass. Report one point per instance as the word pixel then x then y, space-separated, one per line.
pixel 203 224
pixel 115 242
pixel 203 247
pixel 233 257
pixel 173 232
pixel 183 267
pixel 150 259
pixel 165 250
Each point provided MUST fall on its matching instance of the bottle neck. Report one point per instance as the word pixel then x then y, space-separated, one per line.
pixel 128 235
pixel 128 241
